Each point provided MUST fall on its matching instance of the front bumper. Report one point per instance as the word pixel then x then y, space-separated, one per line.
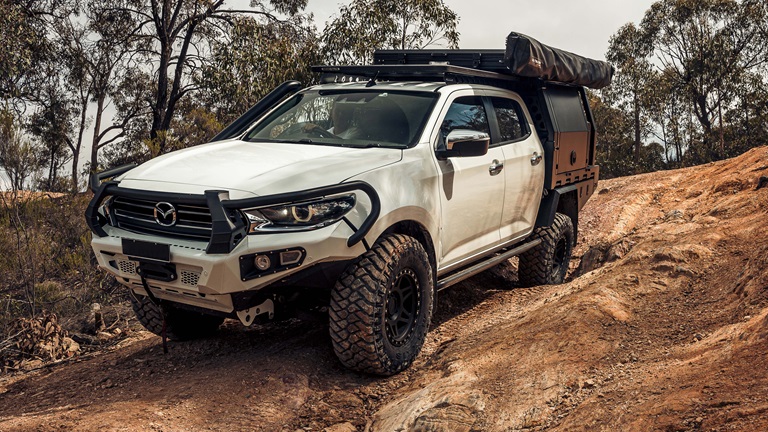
pixel 206 274
pixel 209 280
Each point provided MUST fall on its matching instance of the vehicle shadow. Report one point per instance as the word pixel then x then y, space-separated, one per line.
pixel 467 294
pixel 282 373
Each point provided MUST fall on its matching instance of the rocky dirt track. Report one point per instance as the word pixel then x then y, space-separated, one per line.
pixel 662 326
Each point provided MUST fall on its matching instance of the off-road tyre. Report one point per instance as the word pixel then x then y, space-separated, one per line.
pixel 547 263
pixel 376 326
pixel 180 324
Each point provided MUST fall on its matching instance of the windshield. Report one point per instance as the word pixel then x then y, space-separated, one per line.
pixel 348 118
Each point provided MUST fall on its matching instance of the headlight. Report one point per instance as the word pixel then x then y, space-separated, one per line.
pixel 299 216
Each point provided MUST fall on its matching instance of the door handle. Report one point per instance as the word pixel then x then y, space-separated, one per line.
pixel 495 167
pixel 535 159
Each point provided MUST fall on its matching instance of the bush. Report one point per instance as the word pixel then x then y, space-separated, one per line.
pixel 35 340
pixel 47 263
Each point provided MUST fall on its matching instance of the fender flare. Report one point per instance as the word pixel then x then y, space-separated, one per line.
pixel 549 205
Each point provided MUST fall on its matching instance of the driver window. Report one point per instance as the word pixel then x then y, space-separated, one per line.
pixel 466 112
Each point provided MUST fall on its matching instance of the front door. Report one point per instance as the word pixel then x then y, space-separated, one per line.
pixel 471 190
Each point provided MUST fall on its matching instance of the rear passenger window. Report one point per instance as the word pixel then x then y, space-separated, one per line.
pixel 508 115
pixel 465 113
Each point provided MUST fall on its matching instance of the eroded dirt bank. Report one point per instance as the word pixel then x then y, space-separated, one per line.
pixel 663 326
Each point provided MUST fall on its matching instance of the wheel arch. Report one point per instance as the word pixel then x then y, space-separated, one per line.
pixel 563 200
pixel 418 231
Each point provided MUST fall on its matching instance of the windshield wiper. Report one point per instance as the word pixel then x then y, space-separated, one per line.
pixel 337 144
pixel 289 141
pixel 379 145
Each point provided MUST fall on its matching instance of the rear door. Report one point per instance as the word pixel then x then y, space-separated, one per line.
pixel 512 132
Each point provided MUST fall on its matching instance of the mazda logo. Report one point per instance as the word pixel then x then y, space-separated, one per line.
pixel 165 214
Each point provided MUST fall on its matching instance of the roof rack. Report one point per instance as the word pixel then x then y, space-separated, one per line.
pixel 413 72
pixel 449 66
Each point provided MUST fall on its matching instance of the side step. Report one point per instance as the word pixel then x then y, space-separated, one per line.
pixel 481 266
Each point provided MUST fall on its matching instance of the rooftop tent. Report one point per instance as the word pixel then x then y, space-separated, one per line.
pixel 525 56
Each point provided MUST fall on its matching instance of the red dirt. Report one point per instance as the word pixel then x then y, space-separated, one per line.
pixel 664 326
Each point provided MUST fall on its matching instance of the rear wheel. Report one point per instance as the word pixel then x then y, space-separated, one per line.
pixel 547 263
pixel 180 324
pixel 381 307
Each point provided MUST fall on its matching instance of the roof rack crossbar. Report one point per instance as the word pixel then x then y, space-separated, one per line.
pixel 410 72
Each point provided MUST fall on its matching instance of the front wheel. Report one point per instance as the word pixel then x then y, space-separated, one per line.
pixel 381 307
pixel 547 263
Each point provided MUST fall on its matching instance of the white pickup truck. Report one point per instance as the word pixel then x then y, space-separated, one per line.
pixel 369 192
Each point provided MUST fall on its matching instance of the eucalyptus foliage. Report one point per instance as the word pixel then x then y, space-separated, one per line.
pixel 693 76
pixel 363 26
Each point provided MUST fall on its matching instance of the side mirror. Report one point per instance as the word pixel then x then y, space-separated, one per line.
pixel 465 143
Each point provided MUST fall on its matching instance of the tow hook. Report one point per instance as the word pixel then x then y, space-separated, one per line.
pixel 247 316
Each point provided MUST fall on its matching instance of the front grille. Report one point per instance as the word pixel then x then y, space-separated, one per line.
pixel 138 215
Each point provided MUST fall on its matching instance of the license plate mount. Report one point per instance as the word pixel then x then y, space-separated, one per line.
pixel 144 250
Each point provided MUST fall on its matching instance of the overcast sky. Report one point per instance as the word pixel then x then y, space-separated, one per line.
pixel 583 27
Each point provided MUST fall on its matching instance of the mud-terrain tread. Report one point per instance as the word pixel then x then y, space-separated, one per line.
pixel 180 324
pixel 535 266
pixel 358 301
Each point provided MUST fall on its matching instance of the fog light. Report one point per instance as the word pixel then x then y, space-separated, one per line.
pixel 262 262
pixel 290 257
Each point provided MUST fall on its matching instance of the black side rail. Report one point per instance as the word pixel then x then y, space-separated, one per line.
pixel 262 106
pixel 226 233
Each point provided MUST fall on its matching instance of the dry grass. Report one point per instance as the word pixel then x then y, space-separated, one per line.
pixel 47 266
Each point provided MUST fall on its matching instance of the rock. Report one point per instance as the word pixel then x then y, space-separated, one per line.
pixel 444 401
pixel 685 271
pixel 618 250
pixel 343 399
pixel 70 347
pixel 104 336
pixel 445 418
pixel 591 260
pixel 601 254
pixel 674 215
pixel 341 427
pixel 590 383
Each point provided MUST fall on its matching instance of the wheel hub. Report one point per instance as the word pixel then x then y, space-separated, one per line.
pixel 402 307
pixel 559 256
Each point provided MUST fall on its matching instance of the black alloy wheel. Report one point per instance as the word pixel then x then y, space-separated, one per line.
pixel 402 304
pixel 381 306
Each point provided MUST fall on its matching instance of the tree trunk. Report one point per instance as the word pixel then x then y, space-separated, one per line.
pixel 96 133
pixel 638 144
pixel 79 145
pixel 722 132
pixel 702 115
pixel 52 168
